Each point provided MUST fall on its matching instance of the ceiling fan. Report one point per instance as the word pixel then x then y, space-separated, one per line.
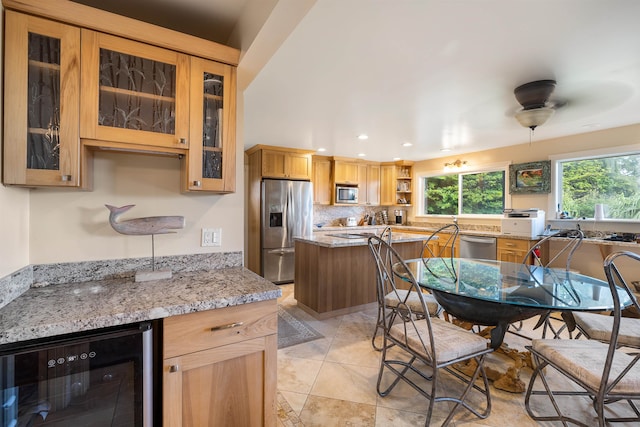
pixel 536 106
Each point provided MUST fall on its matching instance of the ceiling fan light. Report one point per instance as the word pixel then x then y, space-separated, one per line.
pixel 534 117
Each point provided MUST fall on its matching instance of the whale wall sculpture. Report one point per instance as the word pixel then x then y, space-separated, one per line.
pixel 143 226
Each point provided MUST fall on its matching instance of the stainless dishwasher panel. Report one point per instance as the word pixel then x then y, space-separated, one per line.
pixel 477 247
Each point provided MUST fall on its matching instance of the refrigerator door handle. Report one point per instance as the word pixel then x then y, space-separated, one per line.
pixel 281 252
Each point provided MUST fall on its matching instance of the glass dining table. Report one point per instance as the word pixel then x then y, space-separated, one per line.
pixel 496 293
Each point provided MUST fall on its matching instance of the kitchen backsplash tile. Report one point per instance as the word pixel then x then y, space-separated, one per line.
pixel 15 284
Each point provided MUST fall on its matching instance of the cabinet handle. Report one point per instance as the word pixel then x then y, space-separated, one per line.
pixel 228 326
pixel 196 183
pixel 174 368
pixel 66 178
pixel 183 141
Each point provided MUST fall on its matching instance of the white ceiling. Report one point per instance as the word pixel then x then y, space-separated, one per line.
pixel 435 73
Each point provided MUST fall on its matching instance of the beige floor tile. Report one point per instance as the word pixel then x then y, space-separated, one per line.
pixel 353 352
pixel 323 412
pixel 386 417
pixel 297 375
pixel 314 350
pixel 295 400
pixel 347 382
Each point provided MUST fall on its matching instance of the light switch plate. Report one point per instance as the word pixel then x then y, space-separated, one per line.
pixel 211 237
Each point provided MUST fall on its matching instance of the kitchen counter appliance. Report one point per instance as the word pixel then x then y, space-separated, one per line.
pixel 287 212
pixel 523 222
pixel 97 378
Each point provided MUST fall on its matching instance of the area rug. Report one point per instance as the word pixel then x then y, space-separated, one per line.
pixel 292 330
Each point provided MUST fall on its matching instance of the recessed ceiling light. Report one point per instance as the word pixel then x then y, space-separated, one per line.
pixel 322 149
pixel 361 154
pixel 363 136
pixel 395 159
pixel 407 144
pixel 445 149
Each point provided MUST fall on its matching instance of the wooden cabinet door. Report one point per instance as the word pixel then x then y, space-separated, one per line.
pixel 133 93
pixel 210 164
pixel 512 250
pixel 322 182
pixel 42 102
pixel 222 386
pixel 345 172
pixel 373 185
pixel 274 164
pixel 298 166
pixel 388 185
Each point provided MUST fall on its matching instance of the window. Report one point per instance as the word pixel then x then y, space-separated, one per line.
pixel 613 181
pixel 471 193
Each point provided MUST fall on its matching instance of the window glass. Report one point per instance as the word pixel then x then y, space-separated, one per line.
pixel 612 181
pixel 475 193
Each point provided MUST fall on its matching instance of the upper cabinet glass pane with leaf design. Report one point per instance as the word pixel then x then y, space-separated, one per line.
pixel 140 93
pixel 210 163
pixel 42 80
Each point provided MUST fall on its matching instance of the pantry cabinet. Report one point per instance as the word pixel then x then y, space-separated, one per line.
pixel 41 102
pixel 133 93
pixel 210 162
pixel 219 367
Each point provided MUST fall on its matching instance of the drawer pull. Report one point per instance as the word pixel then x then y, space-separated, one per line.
pixel 228 326
pixel 174 368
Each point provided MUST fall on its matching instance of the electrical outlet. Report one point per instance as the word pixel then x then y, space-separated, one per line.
pixel 211 237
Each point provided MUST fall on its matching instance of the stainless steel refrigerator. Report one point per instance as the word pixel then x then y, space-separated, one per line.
pixel 287 211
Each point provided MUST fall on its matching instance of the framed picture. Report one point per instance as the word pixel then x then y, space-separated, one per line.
pixel 528 178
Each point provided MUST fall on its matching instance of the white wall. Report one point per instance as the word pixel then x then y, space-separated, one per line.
pixel 73 225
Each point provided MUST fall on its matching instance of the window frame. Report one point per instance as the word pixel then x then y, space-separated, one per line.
pixel 556 175
pixel 493 167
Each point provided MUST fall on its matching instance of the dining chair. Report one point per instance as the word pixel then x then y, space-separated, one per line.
pixel 602 372
pixel 534 258
pixel 390 299
pixel 437 246
pixel 425 347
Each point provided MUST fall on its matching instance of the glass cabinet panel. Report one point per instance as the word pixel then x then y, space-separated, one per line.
pixel 136 93
pixel 43 100
pixel 213 86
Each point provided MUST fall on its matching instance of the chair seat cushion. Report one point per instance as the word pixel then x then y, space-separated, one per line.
pixel 598 327
pixel 413 301
pixel 585 360
pixel 451 341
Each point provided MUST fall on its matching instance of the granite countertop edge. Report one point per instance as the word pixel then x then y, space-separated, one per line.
pixel 76 307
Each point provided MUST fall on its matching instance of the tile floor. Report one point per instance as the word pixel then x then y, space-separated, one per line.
pixel 332 382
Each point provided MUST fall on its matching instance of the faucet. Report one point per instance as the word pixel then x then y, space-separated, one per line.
pixel 455 219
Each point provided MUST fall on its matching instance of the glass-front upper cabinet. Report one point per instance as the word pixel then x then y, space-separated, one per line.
pixel 210 164
pixel 41 102
pixel 134 93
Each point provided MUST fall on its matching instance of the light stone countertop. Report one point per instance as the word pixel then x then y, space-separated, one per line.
pixel 74 307
pixel 330 240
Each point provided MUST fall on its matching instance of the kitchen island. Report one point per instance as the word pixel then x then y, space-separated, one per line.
pixel 335 271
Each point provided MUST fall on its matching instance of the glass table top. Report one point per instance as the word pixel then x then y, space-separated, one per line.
pixel 515 284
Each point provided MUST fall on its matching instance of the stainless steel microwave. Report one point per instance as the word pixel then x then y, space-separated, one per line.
pixel 345 194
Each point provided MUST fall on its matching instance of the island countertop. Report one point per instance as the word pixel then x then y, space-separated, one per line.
pixel 333 239
pixel 74 307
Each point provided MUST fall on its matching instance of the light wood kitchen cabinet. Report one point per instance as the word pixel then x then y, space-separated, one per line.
pixel 219 367
pixel 436 245
pixel 322 180
pixel 369 184
pixel 42 102
pixel 396 184
pixel 133 93
pixel 283 163
pixel 514 250
pixel 345 172
pixel 210 162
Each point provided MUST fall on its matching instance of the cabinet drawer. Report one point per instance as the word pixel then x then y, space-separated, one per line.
pixel 197 331
pixel 513 244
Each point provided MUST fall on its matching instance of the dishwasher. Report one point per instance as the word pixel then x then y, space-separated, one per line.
pixel 477 247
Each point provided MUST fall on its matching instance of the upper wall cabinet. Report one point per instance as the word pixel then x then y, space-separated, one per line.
pixel 280 162
pixel 41 98
pixel 210 163
pixel 134 93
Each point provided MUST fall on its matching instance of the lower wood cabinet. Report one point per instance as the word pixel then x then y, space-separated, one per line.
pixel 514 250
pixel 219 367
